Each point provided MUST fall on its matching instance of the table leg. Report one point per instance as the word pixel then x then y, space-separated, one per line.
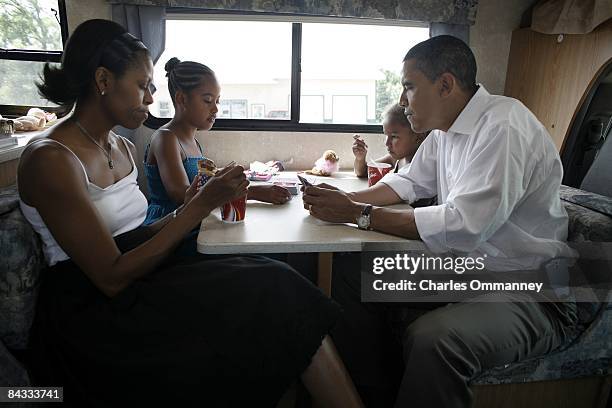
pixel 324 275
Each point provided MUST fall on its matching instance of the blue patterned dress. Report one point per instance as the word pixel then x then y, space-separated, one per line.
pixel 160 203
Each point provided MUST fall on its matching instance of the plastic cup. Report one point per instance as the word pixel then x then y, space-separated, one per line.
pixel 376 171
pixel 234 211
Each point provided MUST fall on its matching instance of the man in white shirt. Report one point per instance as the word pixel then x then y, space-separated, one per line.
pixel 497 174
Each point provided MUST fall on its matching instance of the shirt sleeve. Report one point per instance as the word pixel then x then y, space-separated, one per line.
pixel 484 195
pixel 417 180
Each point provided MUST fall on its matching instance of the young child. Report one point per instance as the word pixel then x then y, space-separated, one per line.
pixel 402 143
pixel 172 156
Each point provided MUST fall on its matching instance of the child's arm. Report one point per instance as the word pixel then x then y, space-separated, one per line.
pixel 269 193
pixel 167 154
pixel 360 150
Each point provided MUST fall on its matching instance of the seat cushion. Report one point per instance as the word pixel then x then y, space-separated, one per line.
pixel 588 215
pixel 20 266
pixel 12 372
pixel 589 354
pixel 9 199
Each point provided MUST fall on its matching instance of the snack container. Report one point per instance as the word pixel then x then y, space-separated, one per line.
pixel 206 169
pixel 377 171
pixel 234 211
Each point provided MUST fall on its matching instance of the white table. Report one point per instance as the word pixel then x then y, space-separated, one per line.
pixel 289 228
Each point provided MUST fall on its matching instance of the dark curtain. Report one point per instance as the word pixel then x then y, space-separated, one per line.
pixel 461 31
pixel 148 23
pixel 145 22
pixel 430 11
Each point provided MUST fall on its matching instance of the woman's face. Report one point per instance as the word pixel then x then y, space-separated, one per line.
pixel 202 103
pixel 401 141
pixel 128 98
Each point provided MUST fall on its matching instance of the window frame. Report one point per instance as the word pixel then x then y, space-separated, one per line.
pixel 293 123
pixel 37 56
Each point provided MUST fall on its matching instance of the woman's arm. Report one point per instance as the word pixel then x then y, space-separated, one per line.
pixel 62 199
pixel 147 231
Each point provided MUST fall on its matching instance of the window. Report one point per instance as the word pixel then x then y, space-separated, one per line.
pixel 252 61
pixel 32 32
pixel 312 108
pixel 356 67
pixel 281 75
pixel 350 109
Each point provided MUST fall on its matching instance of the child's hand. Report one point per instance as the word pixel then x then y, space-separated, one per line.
pixel 269 193
pixel 360 148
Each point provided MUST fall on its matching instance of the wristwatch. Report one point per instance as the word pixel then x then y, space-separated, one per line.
pixel 363 221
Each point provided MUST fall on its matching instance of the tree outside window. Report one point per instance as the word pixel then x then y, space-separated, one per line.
pixel 28 27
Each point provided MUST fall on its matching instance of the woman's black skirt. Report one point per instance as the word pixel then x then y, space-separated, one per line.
pixel 201 331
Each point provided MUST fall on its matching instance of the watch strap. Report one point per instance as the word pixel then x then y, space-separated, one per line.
pixel 367 210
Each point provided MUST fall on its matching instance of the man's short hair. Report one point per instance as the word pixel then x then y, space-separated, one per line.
pixel 445 53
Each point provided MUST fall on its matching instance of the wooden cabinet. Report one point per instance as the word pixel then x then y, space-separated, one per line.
pixel 552 74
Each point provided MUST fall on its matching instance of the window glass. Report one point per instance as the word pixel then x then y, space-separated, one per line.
pixel 252 61
pixel 18 83
pixel 30 25
pixel 354 68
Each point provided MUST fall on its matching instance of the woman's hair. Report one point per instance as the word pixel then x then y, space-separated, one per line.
pixel 185 76
pixel 93 44
pixel 394 114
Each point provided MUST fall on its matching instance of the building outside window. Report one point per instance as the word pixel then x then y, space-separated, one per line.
pixel 233 108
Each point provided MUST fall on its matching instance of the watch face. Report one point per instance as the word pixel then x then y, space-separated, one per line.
pixel 363 222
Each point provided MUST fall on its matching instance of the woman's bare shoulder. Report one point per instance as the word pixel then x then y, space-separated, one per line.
pixel 45 163
pixel 48 145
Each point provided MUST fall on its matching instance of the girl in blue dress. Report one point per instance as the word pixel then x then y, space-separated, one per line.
pixel 172 156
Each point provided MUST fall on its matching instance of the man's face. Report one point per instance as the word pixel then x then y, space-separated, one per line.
pixel 419 98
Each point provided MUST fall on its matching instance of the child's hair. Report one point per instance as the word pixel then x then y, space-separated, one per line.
pixel 93 44
pixel 394 114
pixel 185 76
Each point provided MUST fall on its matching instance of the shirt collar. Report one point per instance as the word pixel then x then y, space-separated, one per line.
pixel 466 121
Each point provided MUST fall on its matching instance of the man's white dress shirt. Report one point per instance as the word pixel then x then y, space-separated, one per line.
pixel 496 173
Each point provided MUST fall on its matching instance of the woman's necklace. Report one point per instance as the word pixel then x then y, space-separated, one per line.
pixel 111 164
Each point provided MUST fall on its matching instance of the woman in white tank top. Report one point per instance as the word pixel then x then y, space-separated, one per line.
pixel 122 319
